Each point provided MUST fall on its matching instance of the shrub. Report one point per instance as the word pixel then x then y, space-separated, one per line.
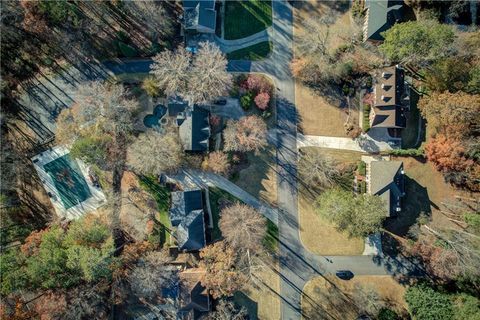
pixel 366 117
pixel 258 83
pixel 362 168
pixel 261 100
pixel 407 152
pixel 151 87
pixel 246 100
pixel 387 314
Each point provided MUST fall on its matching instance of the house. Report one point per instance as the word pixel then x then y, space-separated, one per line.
pixel 187 216
pixel 194 129
pixel 193 123
pixel 381 15
pixel 199 15
pixel 391 99
pixel 193 298
pixel 387 180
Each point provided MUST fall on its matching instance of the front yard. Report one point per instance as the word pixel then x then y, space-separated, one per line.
pixel 318 235
pixel 331 298
pixel 258 51
pixel 245 18
pixel 259 178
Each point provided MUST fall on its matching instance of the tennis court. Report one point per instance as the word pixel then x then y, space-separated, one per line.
pixel 68 180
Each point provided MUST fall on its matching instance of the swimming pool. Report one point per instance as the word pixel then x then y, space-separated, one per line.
pixel 68 180
pixel 153 120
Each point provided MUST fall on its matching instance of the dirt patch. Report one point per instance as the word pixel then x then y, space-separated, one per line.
pixel 331 298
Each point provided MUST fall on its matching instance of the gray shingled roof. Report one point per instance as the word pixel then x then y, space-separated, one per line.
pixel 199 13
pixel 387 181
pixel 187 215
pixel 183 202
pixel 195 130
pixel 190 232
pixel 382 14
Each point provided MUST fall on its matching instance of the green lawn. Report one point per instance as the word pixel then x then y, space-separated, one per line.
pixel 271 239
pixel 258 51
pixel 244 18
pixel 161 194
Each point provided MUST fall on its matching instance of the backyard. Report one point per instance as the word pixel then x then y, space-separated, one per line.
pixel 331 298
pixel 245 18
pixel 425 191
pixel 161 194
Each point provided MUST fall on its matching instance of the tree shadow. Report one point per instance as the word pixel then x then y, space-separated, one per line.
pixel 241 299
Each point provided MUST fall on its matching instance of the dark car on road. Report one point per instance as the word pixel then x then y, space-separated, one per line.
pixel 344 274
pixel 220 102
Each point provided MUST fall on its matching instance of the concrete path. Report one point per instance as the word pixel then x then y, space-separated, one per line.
pixel 190 178
pixel 364 143
pixel 232 45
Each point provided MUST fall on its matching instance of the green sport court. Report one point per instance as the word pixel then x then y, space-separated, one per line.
pixel 69 180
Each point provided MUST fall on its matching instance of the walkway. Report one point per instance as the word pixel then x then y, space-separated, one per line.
pixel 232 45
pixel 364 143
pixel 190 178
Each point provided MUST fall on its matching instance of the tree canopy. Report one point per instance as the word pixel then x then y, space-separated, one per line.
pixel 418 42
pixel 153 153
pixel 427 304
pixel 197 78
pixel 359 215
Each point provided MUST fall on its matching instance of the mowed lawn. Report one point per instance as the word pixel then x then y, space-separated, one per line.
pixel 318 235
pixel 332 298
pixel 258 51
pixel 244 18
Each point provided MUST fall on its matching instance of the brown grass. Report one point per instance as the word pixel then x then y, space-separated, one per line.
pixel 319 236
pixel 317 115
pixel 314 229
pixel 425 192
pixel 260 178
pixel 333 298
pixel 261 299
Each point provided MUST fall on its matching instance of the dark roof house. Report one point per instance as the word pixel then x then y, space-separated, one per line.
pixel 381 15
pixel 187 217
pixel 199 15
pixel 193 298
pixel 387 180
pixel 194 129
pixel 391 99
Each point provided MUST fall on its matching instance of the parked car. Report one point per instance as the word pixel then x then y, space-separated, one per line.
pixel 344 274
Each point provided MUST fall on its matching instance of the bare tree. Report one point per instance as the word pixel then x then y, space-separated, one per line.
pixel 217 162
pixel 152 14
pixel 316 170
pixel 243 227
pixel 210 78
pixel 172 71
pixel 154 153
pixel 226 310
pixel 151 274
pixel 197 79
pixel 247 134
